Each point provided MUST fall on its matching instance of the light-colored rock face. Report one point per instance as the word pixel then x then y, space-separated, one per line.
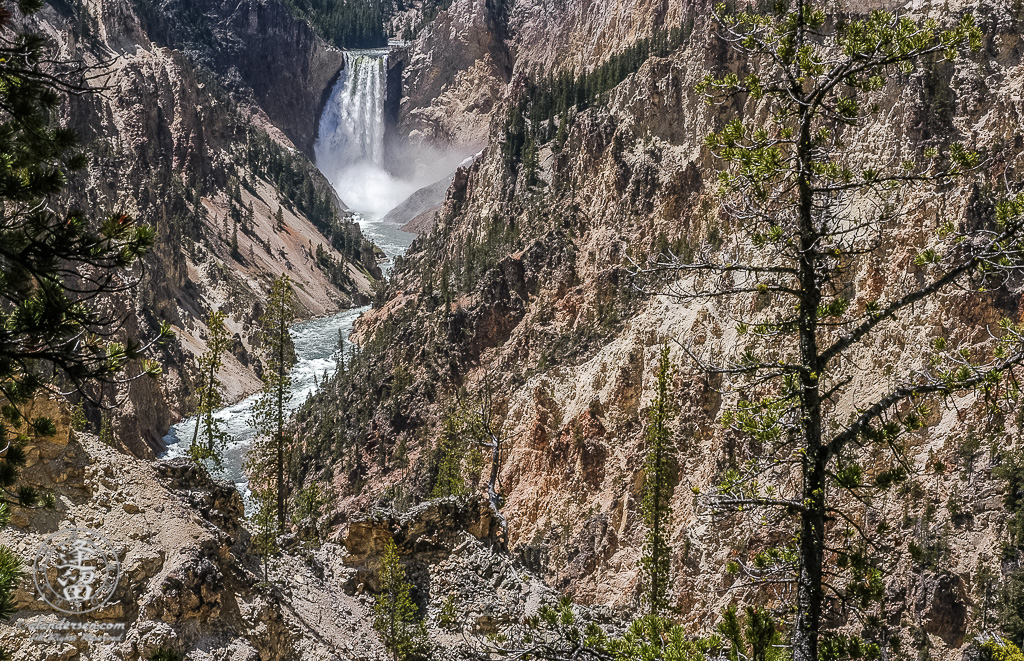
pixel 457 69
pixel 188 579
pixel 461 63
pixel 577 35
pixel 573 347
pixel 170 140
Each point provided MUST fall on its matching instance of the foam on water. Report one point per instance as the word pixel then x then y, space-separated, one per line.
pixel 350 146
pixel 317 349
pixel 350 152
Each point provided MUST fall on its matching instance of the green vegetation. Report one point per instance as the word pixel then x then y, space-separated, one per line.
pixel 311 506
pixel 658 486
pixel 11 572
pixel 333 425
pixel 266 526
pixel 451 450
pixel 402 385
pixel 1011 612
pixel 345 23
pixel 267 461
pixel 1011 596
pixel 1011 472
pixel 986 595
pixel 209 437
pixel 557 632
pixel 394 613
pixel 459 454
pixel 787 184
pixel 448 614
pixel 78 419
pixel 1002 650
pixel 305 191
pixel 756 638
pixel 477 255
pixel 60 268
pixel 106 434
pixel 166 654
pixel 543 102
pixel 50 321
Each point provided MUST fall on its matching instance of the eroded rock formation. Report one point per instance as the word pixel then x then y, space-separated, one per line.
pixel 192 125
pixel 527 291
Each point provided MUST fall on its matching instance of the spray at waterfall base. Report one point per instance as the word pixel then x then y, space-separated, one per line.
pixel 353 150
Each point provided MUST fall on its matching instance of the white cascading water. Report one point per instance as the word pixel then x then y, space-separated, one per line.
pixel 352 122
pixel 350 152
pixel 350 147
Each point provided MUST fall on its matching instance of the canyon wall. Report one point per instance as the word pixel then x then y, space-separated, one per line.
pixel 526 290
pixel 199 123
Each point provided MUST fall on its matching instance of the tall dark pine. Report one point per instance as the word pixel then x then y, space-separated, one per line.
pixel 805 210
pixel 57 265
pixel 268 459
pixel 656 508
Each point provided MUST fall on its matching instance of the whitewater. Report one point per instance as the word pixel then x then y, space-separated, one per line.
pixel 350 153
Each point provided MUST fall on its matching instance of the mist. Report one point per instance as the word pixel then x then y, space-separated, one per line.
pixel 370 176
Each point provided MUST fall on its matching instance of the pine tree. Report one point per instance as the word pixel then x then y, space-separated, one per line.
pixel 1011 590
pixel 279 220
pixel 394 614
pixel 563 131
pixel 268 458
pixel 78 420
pixel 1011 614
pixel 309 507
pixel 209 437
pixel 11 573
pixel 166 654
pixel 56 266
pixel 265 522
pixel 657 558
pixel 59 266
pixel 106 434
pixel 530 161
pixel 794 189
pixel 986 596
pixel 756 638
pixel 451 449
pixel 235 254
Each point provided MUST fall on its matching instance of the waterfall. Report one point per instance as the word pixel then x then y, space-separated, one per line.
pixel 352 122
pixel 350 147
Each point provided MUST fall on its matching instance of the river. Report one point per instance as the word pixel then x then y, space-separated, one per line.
pixel 349 153
pixel 317 351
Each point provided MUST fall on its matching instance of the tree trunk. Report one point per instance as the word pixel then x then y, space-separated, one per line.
pixel 492 487
pixel 280 423
pixel 195 432
pixel 812 544
pixel 812 522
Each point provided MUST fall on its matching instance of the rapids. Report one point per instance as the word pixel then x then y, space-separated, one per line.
pixel 350 153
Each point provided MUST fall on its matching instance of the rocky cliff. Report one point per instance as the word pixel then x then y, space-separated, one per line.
pixel 257 49
pixel 524 289
pixel 191 584
pixel 198 120
pixel 458 66
pixel 189 581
